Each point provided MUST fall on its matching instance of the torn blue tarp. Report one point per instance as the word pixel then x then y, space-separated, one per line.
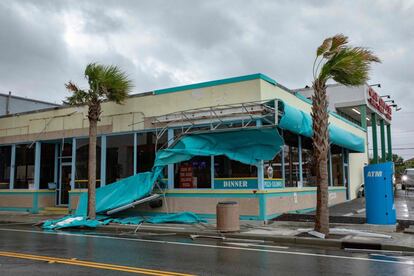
pixel 120 193
pixel 73 222
pixel 300 122
pixel 246 145
pixel 184 217
pixel 82 222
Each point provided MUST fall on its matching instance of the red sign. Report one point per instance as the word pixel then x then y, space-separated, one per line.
pixel 186 176
pixel 379 104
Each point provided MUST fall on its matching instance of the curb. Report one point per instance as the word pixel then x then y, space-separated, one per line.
pixel 301 241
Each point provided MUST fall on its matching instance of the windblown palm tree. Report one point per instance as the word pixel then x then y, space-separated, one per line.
pixel 106 83
pixel 347 65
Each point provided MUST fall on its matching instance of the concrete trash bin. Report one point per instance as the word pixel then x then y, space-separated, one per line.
pixel 228 219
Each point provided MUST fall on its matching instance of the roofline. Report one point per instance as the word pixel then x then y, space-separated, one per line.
pixel 162 91
pixel 28 99
pixel 215 83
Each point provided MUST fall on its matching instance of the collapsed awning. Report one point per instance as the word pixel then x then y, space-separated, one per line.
pixel 300 122
pixel 120 193
pixel 246 145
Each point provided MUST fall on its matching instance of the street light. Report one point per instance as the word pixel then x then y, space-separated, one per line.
pixel 386 96
pixel 387 101
pixel 377 84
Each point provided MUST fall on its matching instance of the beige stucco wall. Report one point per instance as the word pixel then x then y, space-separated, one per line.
pixel 72 121
pixel 12 200
pixel 282 204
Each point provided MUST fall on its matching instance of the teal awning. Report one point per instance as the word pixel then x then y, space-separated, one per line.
pixel 300 122
pixel 247 145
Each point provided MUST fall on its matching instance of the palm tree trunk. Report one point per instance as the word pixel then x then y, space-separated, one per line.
pixel 93 115
pixel 320 147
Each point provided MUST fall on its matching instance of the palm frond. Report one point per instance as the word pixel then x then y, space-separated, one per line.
pixel 326 45
pixel 78 96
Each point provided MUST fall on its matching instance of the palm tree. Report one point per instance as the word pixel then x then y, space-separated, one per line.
pixel 347 65
pixel 106 83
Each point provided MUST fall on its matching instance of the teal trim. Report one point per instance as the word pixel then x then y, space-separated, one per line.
pixel 15 209
pixel 17 193
pixel 269 217
pixel 262 207
pixel 215 83
pixel 303 211
pixel 252 195
pixel 35 207
pixel 303 98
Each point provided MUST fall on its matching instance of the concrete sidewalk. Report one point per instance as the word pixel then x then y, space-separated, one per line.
pixel 404 205
pixel 280 232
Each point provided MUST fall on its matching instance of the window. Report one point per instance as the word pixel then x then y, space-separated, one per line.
pixel 291 152
pixel 308 169
pixel 275 172
pixel 119 157
pixel 227 168
pixel 82 153
pixel 5 159
pixel 147 144
pixel 47 165
pixel 337 166
pixel 194 173
pixel 24 167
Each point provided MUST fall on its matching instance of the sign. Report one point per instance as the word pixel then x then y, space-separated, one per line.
pixel 379 104
pixel 247 183
pixel 186 176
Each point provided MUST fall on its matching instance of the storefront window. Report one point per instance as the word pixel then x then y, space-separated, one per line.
pixel 273 168
pixel 47 165
pixel 337 166
pixel 5 159
pixel 24 167
pixel 82 153
pixel 291 152
pixel 227 168
pixel 194 173
pixel 308 169
pixel 119 157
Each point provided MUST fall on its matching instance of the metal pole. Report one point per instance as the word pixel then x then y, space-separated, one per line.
pixel 383 153
pixel 170 137
pixel 73 166
pixel 389 142
pixel 38 151
pixel 12 166
pixel 135 152
pixel 260 166
pixel 374 138
pixel 300 185
pixel 103 160
pixel 363 109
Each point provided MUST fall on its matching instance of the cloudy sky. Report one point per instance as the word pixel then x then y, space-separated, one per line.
pixel 160 44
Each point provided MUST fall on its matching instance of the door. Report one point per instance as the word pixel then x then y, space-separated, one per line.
pixel 64 183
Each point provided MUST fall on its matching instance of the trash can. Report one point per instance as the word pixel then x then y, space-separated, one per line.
pixel 228 219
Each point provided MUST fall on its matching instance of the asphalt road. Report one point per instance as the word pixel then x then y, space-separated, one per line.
pixel 25 250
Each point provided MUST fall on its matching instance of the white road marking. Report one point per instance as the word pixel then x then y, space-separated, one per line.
pixel 348 214
pixel 411 263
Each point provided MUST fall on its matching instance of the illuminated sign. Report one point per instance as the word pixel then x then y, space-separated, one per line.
pixel 379 104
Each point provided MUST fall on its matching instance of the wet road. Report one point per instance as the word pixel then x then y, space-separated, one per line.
pixel 88 253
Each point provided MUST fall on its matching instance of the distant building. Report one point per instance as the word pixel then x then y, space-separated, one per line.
pixel 10 104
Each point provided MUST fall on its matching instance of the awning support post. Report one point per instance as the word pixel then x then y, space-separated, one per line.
pixel 38 151
pixel 260 166
pixel 389 142
pixel 170 137
pixel 383 152
pixel 374 138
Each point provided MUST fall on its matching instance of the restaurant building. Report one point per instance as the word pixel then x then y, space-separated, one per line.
pixel 44 154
